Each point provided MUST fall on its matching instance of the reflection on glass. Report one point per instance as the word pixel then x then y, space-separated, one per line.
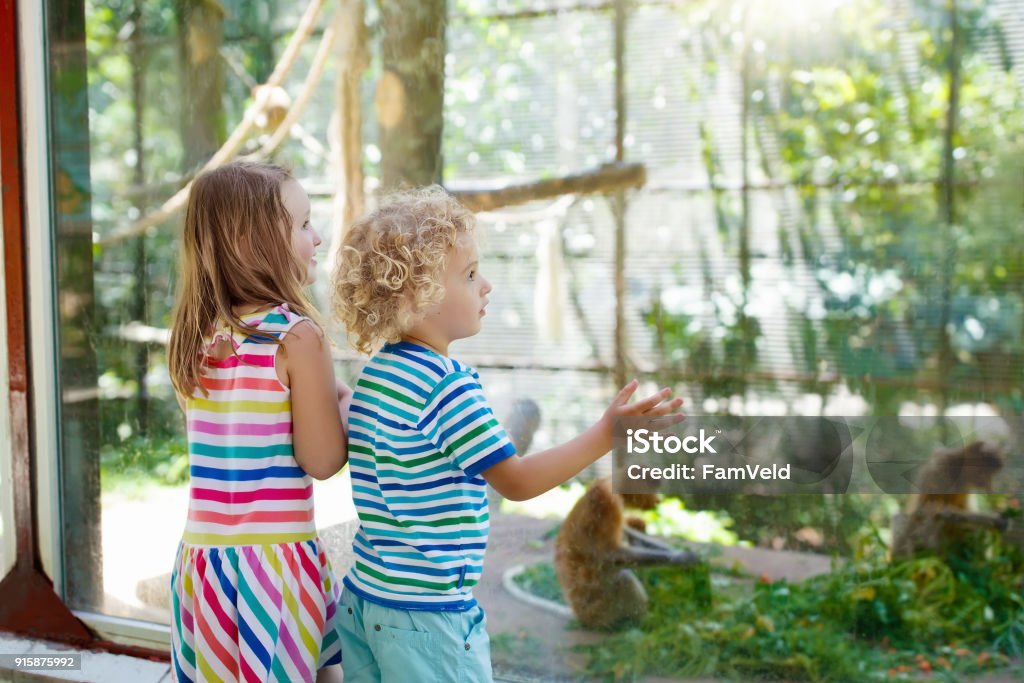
pixel 143 94
pixel 7 546
pixel 823 232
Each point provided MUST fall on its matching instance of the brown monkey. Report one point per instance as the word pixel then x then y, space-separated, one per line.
pixel 939 516
pixel 592 559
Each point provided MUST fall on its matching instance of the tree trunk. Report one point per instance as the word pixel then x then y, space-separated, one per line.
pixel 410 92
pixel 140 354
pixel 200 34
pixel 347 134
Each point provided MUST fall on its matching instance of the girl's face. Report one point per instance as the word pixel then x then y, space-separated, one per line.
pixel 305 238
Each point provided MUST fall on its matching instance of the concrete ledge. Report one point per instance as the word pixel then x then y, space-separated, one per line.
pixel 97 667
pixel 508 582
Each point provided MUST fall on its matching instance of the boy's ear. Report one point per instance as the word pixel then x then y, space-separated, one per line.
pixel 407 303
pixel 407 312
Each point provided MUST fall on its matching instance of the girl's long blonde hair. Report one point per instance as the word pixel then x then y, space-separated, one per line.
pixel 236 250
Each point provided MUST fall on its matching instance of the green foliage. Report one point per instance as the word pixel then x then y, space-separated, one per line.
pixel 719 354
pixel 140 459
pixel 866 620
pixel 821 523
pixel 672 519
pixel 848 105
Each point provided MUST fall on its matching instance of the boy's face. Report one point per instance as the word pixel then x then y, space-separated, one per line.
pixel 460 314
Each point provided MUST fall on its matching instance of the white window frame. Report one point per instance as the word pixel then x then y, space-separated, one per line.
pixel 39 268
pixel 43 327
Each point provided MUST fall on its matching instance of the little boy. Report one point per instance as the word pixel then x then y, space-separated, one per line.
pixel 424 443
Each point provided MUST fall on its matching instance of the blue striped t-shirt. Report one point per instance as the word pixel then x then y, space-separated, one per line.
pixel 420 434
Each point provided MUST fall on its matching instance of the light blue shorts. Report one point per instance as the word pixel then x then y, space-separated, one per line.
pixel 387 645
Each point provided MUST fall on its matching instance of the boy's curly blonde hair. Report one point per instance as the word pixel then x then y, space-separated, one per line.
pixel 392 262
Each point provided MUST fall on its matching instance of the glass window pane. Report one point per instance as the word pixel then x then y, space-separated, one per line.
pixel 73 208
pixel 830 224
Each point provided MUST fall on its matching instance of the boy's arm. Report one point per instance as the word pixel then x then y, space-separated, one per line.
pixel 527 477
pixel 345 394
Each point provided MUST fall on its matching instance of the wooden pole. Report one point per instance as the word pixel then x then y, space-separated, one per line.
pixel 947 212
pixel 619 198
pixel 745 321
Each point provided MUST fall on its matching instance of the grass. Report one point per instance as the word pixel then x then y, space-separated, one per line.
pixel 540 580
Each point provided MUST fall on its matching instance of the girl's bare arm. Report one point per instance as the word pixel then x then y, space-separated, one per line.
pixel 318 435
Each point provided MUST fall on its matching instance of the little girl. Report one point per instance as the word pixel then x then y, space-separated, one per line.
pixel 253 596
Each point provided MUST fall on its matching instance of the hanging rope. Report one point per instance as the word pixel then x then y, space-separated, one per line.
pixel 316 70
pixel 228 150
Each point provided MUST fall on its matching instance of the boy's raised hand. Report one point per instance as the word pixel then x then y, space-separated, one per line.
pixel 659 407
pixel 529 476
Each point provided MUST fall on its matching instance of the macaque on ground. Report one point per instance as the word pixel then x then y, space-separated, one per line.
pixel 593 558
pixel 939 517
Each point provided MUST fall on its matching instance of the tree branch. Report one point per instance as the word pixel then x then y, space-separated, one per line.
pixel 606 178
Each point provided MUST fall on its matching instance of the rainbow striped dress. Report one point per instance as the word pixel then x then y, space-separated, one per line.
pixel 253 595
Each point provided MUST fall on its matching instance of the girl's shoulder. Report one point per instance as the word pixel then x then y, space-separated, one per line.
pixel 269 324
pixel 276 319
